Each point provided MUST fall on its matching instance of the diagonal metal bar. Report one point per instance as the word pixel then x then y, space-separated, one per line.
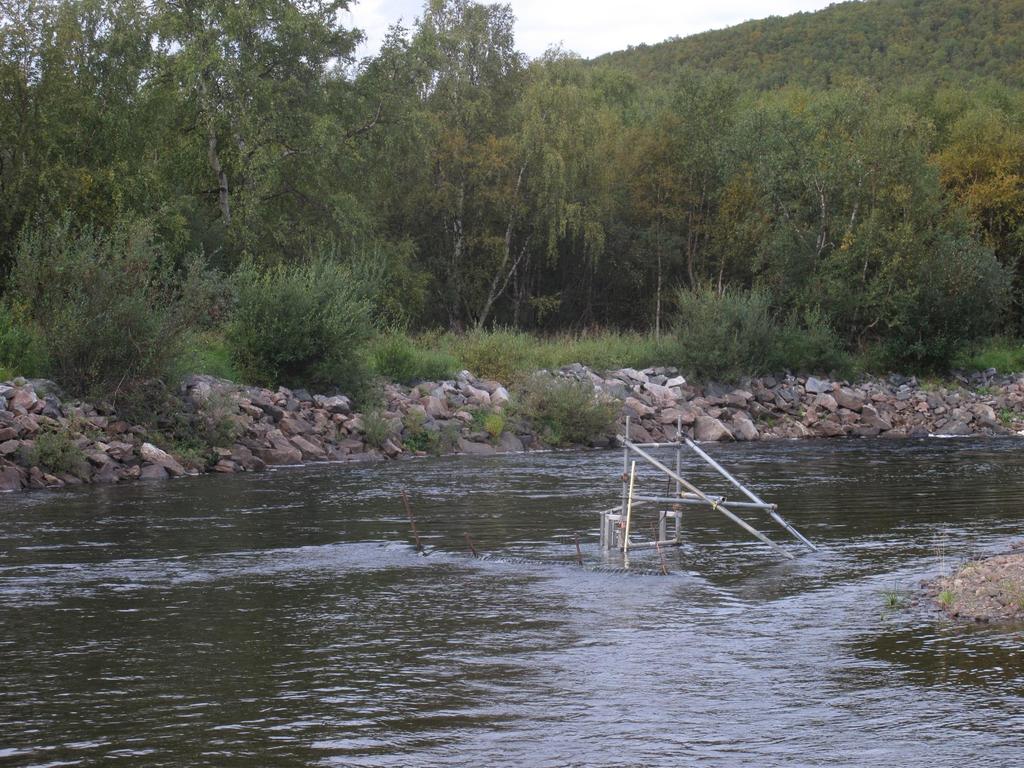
pixel 701 495
pixel 748 493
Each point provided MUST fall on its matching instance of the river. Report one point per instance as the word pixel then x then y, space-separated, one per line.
pixel 283 618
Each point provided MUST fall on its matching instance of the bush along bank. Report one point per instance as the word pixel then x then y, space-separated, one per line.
pixel 49 442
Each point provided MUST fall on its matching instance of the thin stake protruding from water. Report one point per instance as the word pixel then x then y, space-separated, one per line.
pixel 469 542
pixel 412 521
pixel 579 552
pixel 657 546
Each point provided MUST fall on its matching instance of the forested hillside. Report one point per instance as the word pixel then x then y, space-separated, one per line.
pixel 884 41
pixel 853 178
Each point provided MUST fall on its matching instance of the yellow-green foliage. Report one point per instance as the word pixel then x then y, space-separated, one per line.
pixel 563 411
pixel 1004 354
pixel 56 452
pixel 505 355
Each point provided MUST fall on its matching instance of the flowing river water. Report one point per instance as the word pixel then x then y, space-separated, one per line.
pixel 284 619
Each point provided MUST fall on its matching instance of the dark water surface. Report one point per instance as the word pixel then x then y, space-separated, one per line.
pixel 283 619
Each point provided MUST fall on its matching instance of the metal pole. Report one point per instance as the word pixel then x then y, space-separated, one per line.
pixel 629 508
pixel 700 494
pixel 625 467
pixel 748 493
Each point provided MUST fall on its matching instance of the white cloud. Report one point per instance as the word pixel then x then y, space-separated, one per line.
pixel 591 27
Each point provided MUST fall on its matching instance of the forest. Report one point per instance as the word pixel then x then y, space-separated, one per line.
pixel 223 184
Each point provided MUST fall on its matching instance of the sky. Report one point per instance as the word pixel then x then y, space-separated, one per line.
pixel 590 27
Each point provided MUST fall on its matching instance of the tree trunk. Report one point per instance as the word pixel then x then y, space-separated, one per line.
pixel 223 194
pixel 502 277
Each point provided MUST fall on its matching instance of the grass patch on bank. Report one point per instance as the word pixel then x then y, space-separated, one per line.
pixel 207 352
pixel 508 355
pixel 1004 354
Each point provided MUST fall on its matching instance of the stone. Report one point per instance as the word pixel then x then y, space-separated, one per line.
pixel 476 449
pixel 676 381
pixel 10 479
pixel 829 428
pixel 273 456
pixel 817 386
pixel 7 433
pixel 107 474
pixel 291 426
pixel 26 424
pixel 637 408
pixel 434 407
pixel 707 429
pixel 335 404
pixel 21 399
pixel 269 409
pixel 849 398
pixel 738 398
pixel 955 427
pixel 154 455
pixel 661 396
pixel 509 443
pixel 638 434
pixel 743 428
pixel 51 407
pixel 309 449
pixel 153 472
pixel 870 417
pixel 826 401
pixel 500 396
pixel 302 395
pixel 478 397
pixel 670 416
pixel 9 446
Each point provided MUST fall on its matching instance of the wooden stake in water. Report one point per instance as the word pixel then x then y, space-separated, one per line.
pixel 469 543
pixel 579 552
pixel 412 521
pixel 629 507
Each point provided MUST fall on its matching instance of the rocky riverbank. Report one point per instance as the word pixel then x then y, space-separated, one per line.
pixel 988 590
pixel 47 440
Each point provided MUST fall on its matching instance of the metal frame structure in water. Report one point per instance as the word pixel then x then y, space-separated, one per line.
pixel 614 526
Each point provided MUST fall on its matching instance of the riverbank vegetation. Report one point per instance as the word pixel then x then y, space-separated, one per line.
pixel 224 188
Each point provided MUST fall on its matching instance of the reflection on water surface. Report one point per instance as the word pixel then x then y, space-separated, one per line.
pixel 283 619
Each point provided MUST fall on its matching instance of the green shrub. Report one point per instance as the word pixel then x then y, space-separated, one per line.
pixel 399 359
pixel 564 412
pixel 494 424
pixel 56 452
pixel 808 344
pixel 106 304
pixel 376 429
pixel 301 325
pixel 416 436
pixel 724 336
pixel 22 348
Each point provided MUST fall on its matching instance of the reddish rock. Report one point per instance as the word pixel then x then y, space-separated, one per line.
pixel 310 449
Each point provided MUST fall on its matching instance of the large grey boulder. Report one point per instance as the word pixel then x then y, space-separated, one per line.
pixel 476 449
pixel 154 455
pixel 709 430
pixel 742 427
pixel 849 398
pixel 817 386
